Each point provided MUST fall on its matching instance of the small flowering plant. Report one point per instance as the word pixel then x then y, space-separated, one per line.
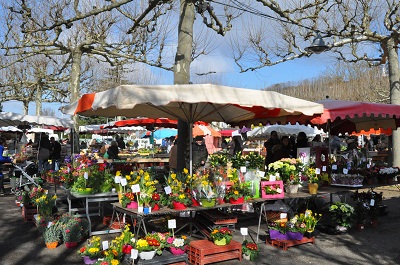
pixel 150 242
pixel 177 242
pixel 310 219
pixel 289 169
pixel 35 193
pixel 92 248
pixel 312 176
pixel 273 189
pixel 250 249
pixel 238 190
pixel 221 233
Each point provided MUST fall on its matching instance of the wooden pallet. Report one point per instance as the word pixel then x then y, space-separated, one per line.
pixel 28 213
pixel 202 252
pixel 285 244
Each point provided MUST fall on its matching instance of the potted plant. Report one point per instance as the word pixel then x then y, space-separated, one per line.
pixel 250 250
pixel 360 215
pixel 91 251
pixel 310 220
pixel 289 170
pixel 72 232
pixel 342 214
pixel 237 192
pixel 45 204
pixel 290 230
pixel 177 244
pixel 149 246
pixel 221 236
pixel 52 235
pixel 313 179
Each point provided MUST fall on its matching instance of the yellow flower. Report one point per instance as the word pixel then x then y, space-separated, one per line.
pixel 128 177
pixel 185 170
pixel 236 192
pixel 118 173
pixel 173 176
pixel 114 262
pixel 182 196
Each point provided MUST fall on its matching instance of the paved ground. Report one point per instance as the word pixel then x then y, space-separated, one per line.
pixel 21 242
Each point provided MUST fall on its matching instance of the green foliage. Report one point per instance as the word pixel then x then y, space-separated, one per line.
pixel 52 233
pixel 342 213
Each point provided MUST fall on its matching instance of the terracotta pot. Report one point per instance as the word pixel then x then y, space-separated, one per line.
pixel 71 244
pixel 239 200
pixel 51 244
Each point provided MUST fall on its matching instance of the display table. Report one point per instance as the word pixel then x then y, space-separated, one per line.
pixel 98 210
pixel 204 251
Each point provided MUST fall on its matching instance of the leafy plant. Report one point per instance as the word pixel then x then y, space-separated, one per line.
pixel 342 213
pixel 221 233
pixel 52 233
pixel 254 161
pixel 250 249
pixel 92 248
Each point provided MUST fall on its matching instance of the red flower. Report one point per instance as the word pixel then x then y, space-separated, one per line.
pixel 67 231
pixel 82 249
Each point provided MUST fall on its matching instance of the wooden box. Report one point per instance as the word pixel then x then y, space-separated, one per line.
pixel 28 213
pixel 271 183
pixel 285 244
pixel 204 252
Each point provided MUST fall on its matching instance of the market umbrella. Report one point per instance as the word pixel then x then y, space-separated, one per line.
pixel 288 129
pixel 149 123
pixel 202 130
pixel 190 103
pixel 164 133
pixel 15 119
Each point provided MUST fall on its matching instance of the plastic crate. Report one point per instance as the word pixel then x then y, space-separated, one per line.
pixel 28 213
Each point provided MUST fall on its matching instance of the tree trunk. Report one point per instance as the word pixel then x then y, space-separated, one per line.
pixel 182 69
pixel 75 93
pixel 394 79
pixel 39 94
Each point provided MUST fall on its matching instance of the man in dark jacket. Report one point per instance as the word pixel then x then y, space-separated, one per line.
pixel 55 153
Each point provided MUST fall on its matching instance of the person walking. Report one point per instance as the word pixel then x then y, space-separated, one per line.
pixel 44 152
pixel 173 157
pixel 55 154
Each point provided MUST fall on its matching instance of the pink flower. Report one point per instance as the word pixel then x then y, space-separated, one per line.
pixel 170 240
pixel 67 231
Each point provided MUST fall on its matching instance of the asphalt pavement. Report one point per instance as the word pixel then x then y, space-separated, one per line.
pixel 22 244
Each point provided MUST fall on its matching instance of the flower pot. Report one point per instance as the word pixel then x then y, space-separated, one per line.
pixel 221 242
pixel 156 207
pixel 120 194
pixel 147 210
pixel 177 251
pixel 292 188
pixel 147 255
pixel 275 234
pixel 195 202
pixel 132 205
pixel 86 191
pixel 178 205
pixel 246 257
pixel 313 188
pixel 207 203
pixel 88 260
pixel 71 244
pixel 239 200
pixel 52 244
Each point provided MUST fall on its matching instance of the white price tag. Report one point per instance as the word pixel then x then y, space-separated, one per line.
pixel 124 182
pixel 244 231
pixel 372 202
pixel 283 215
pixel 334 167
pixel 368 165
pixel 117 179
pixel 318 171
pixel 345 171
pixel 105 245
pixel 324 169
pixel 171 224
pixel 134 253
pixel 243 169
pixel 69 170
pixel 167 190
pixel 135 188
pixel 49 224
pixel 86 175
pixel 272 178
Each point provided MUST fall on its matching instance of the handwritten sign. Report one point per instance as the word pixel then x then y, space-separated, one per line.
pixel 135 188
pixel 243 169
pixel 345 171
pixel 244 231
pixel 124 182
pixel 283 215
pixel 324 168
pixel 134 253
pixel 334 167
pixel 171 224
pixel 86 175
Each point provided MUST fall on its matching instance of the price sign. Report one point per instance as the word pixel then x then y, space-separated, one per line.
pixel 171 224
pixel 334 167
pixel 86 175
pixel 167 190
pixel 345 171
pixel 368 165
pixel 49 224
pixel 244 231
pixel 272 178
pixel 318 171
pixel 135 188
pixel 117 179
pixel 324 168
pixel 124 182
pixel 105 245
pixel 283 215
pixel 243 169
pixel 372 202
pixel 134 253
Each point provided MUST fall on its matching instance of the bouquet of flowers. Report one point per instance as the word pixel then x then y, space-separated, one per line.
pixel 45 204
pixel 179 184
pixel 35 193
pixel 238 190
pixel 312 177
pixel 250 249
pixel 310 219
pixel 127 198
pixel 219 234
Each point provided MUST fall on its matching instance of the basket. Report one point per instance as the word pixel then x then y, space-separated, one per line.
pixel 274 216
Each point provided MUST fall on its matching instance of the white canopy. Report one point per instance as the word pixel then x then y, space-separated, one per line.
pixel 289 129
pixel 15 119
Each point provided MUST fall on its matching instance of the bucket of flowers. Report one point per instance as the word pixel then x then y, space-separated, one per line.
pixel 221 236
pixel 92 251
pixel 176 244
pixel 149 246
pixel 250 250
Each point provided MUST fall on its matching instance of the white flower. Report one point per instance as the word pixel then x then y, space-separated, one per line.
pixel 178 242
